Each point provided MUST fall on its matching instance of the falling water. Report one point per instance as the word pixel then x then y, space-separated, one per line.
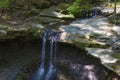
pixel 41 71
pixel 53 37
pixel 51 70
pixel 96 13
pixel 51 52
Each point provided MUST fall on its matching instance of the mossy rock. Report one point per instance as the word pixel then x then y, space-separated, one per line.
pixel 4 27
pixel 117 55
pixel 26 32
pixel 83 43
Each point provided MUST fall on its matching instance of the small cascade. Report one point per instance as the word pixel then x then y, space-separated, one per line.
pixel 41 71
pixel 95 13
pixel 50 73
pixel 51 70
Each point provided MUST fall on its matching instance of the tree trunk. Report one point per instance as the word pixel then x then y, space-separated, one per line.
pixel 115 3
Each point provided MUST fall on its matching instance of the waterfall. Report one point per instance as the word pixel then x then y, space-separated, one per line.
pixel 50 73
pixel 51 52
pixel 51 70
pixel 95 13
pixel 41 71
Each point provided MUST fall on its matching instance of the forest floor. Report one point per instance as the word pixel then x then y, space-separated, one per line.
pixel 17 18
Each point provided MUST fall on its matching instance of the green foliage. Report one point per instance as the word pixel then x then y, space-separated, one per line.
pixel 78 6
pixel 4 3
pixel 9 5
pixel 74 8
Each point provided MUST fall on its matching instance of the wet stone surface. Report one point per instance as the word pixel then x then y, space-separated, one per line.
pixel 98 34
pixel 86 72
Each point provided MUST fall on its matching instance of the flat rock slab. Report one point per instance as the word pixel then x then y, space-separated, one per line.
pixel 106 57
pixel 96 34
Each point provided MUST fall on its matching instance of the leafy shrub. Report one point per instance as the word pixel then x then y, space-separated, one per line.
pixel 74 8
pixel 79 6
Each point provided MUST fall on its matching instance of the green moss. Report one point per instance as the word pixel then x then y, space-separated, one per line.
pixel 13 33
pixel 4 27
pixel 27 32
pixel 117 55
pixel 79 44
pixel 83 43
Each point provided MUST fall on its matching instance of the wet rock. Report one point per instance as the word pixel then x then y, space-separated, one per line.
pixel 116 48
pixel 86 72
pixel 3 33
pixel 107 58
pixel 116 29
pixel 95 34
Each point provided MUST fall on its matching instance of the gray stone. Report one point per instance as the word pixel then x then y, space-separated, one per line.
pixel 94 35
pixel 3 33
